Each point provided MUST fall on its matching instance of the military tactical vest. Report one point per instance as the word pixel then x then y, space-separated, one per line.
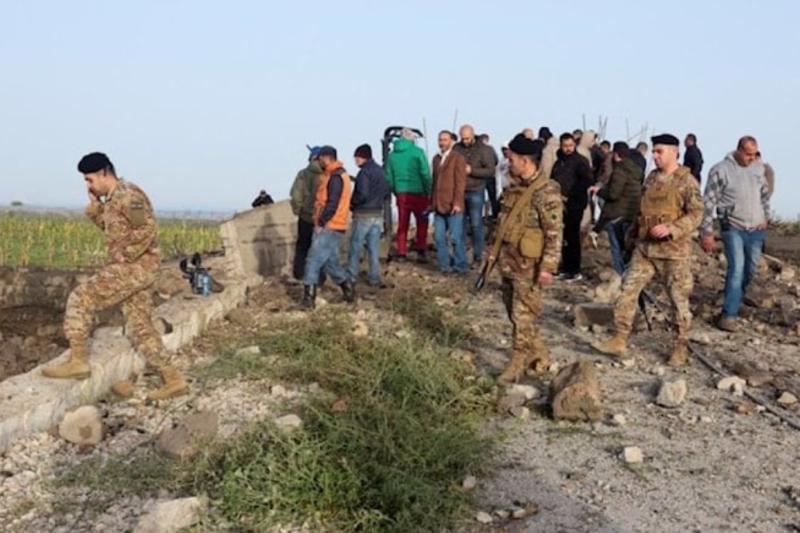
pixel 520 226
pixel 661 203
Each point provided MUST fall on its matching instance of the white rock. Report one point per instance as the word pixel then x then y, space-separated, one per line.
pixel 529 391
pixel 249 350
pixel 469 483
pixel 705 419
pixel 629 362
pixel 632 454
pixel 82 426
pixel 521 412
pixel 484 518
pixel 787 398
pixel 360 329
pixel 171 516
pixel 277 391
pixel 502 514
pixel 289 422
pixel 700 337
pixel 733 384
pixel 671 393
pixel 618 420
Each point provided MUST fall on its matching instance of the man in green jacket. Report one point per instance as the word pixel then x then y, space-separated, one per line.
pixel 304 191
pixel 409 178
pixel 622 196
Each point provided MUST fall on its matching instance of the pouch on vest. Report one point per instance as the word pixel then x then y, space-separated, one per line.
pixel 661 204
pixel 531 245
pixel 137 214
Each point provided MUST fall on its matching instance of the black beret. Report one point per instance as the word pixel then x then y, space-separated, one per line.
pixel 665 138
pixel 329 151
pixel 94 162
pixel 523 146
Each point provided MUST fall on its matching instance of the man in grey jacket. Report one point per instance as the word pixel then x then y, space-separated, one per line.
pixel 480 168
pixel 737 195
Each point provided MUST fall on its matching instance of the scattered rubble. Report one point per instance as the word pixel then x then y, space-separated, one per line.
pixel 672 393
pixel 787 399
pixel 632 455
pixel 289 422
pixel 171 516
pixel 575 393
pixel 83 426
pixel 184 439
pixel 733 384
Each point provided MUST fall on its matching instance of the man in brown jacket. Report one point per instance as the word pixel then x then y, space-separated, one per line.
pixel 449 181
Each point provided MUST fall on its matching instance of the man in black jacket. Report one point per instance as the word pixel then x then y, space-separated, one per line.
pixel 262 199
pixel 622 195
pixel 573 173
pixel 693 158
pixel 639 156
pixel 369 195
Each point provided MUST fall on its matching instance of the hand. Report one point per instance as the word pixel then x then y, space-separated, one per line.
pixel 318 229
pixel 545 278
pixel 469 169
pixel 708 243
pixel 93 197
pixel 764 225
pixel 660 231
pixel 456 210
pixel 594 189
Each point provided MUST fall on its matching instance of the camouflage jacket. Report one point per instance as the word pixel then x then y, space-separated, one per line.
pixel 128 222
pixel 546 214
pixel 679 244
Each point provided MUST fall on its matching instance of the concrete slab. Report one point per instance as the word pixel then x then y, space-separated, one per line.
pixel 30 402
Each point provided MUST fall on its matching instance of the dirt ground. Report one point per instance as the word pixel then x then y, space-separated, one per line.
pixel 714 463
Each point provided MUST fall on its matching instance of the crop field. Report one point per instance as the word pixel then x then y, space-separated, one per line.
pixel 59 242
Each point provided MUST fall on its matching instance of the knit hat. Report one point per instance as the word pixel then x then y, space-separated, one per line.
pixel 329 151
pixel 364 152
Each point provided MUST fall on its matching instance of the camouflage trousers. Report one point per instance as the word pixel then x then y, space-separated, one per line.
pixel 675 273
pixel 125 284
pixel 523 301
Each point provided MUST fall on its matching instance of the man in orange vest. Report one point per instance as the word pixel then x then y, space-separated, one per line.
pixel 331 213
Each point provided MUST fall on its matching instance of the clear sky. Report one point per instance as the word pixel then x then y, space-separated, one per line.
pixel 204 103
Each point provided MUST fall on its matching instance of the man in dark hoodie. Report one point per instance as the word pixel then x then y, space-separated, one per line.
pixel 693 158
pixel 304 190
pixel 369 195
pixel 622 195
pixel 573 173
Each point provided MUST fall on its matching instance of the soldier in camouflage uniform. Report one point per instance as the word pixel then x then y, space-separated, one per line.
pixel 127 220
pixel 529 240
pixel 671 211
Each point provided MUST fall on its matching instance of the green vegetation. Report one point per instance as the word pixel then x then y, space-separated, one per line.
pixel 67 242
pixel 389 457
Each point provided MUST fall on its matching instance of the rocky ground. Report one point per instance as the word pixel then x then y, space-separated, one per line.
pixel 712 461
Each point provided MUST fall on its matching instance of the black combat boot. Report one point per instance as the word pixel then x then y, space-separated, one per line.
pixel 349 291
pixel 309 297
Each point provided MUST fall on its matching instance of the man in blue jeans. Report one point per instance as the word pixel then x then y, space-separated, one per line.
pixel 369 195
pixel 447 202
pixel 737 194
pixel 481 167
pixel 331 214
